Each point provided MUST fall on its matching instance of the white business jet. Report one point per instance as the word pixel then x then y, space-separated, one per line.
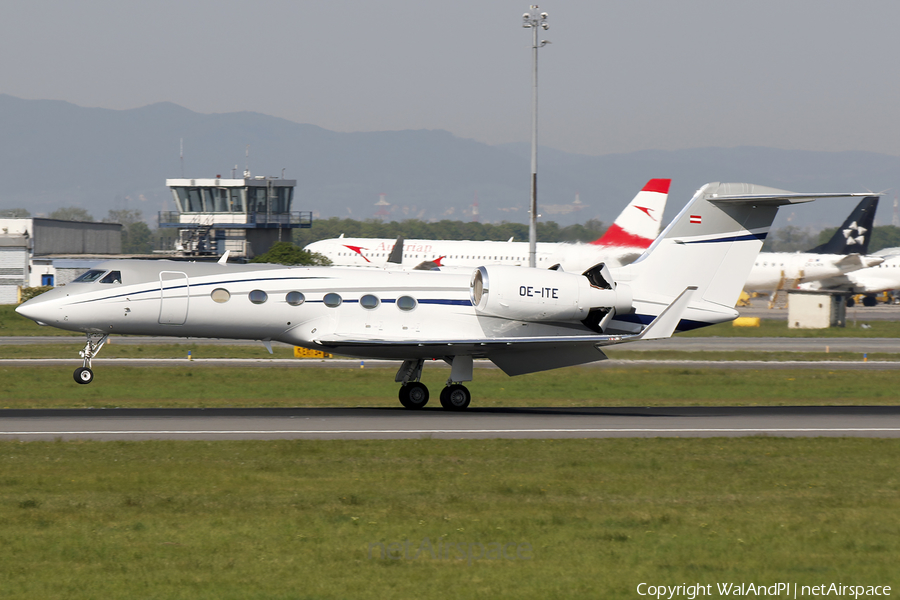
pixel 524 320
pixel 626 239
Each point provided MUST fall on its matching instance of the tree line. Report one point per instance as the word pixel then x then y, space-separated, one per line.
pixel 139 238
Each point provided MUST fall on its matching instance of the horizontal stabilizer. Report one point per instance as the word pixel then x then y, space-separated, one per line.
pixel 748 193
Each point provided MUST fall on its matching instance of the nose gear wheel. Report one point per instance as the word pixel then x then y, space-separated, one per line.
pixel 95 341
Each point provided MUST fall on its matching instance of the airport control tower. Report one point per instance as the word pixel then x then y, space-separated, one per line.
pixel 245 216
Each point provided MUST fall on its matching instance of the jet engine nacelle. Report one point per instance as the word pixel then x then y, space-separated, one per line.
pixel 545 295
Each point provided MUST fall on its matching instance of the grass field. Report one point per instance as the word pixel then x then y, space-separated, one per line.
pixel 448 518
pixel 308 519
pixel 631 385
pixel 256 351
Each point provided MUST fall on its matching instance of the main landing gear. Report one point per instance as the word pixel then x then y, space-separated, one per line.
pixel 95 341
pixel 455 396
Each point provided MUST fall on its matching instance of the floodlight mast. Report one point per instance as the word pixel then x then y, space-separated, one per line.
pixel 534 21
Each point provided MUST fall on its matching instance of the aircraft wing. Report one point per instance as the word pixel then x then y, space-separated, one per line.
pixel 519 355
pixel 855 262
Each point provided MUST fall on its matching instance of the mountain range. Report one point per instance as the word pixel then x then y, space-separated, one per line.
pixel 55 154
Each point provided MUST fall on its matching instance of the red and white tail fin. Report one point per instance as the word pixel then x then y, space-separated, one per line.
pixel 639 224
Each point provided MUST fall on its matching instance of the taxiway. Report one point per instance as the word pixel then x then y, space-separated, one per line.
pixel 397 423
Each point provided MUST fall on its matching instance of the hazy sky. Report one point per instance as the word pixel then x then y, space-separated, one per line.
pixel 619 76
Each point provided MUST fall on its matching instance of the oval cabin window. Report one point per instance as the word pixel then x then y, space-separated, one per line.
pixel 406 303
pixel 295 298
pixel 369 301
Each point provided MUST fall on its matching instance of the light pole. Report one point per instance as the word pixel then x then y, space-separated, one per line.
pixel 534 21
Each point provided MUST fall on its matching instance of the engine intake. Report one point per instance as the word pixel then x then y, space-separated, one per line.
pixel 540 295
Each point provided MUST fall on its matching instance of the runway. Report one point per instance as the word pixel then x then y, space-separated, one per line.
pixel 477 423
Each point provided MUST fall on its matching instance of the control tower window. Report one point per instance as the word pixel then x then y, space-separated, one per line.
pixel 237 200
pixel 194 203
pixel 220 198
pixel 282 199
pixel 258 199
pixel 208 204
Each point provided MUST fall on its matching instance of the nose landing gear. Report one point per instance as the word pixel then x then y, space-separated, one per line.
pixel 95 341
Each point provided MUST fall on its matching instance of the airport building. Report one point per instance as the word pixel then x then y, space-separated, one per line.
pixel 245 216
pixel 41 252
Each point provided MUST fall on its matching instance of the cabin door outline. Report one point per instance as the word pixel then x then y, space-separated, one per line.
pixel 174 294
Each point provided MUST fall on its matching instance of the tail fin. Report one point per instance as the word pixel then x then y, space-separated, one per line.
pixel 639 224
pixel 712 245
pixel 853 236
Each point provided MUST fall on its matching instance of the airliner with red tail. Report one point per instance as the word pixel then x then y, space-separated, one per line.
pixel 625 240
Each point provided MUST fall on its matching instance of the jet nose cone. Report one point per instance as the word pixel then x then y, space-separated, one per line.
pixel 33 309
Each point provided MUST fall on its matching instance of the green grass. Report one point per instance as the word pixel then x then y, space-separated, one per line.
pixel 12 323
pixel 304 519
pixel 628 385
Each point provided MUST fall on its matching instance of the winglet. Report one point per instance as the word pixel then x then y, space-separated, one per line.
pixel 663 326
pixel 224 258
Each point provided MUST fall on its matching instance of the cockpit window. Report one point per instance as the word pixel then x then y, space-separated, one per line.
pixel 113 277
pixel 90 276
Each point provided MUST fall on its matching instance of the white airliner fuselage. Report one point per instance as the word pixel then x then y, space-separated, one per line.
pixel 626 239
pixel 873 280
pixel 374 252
pixel 782 270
